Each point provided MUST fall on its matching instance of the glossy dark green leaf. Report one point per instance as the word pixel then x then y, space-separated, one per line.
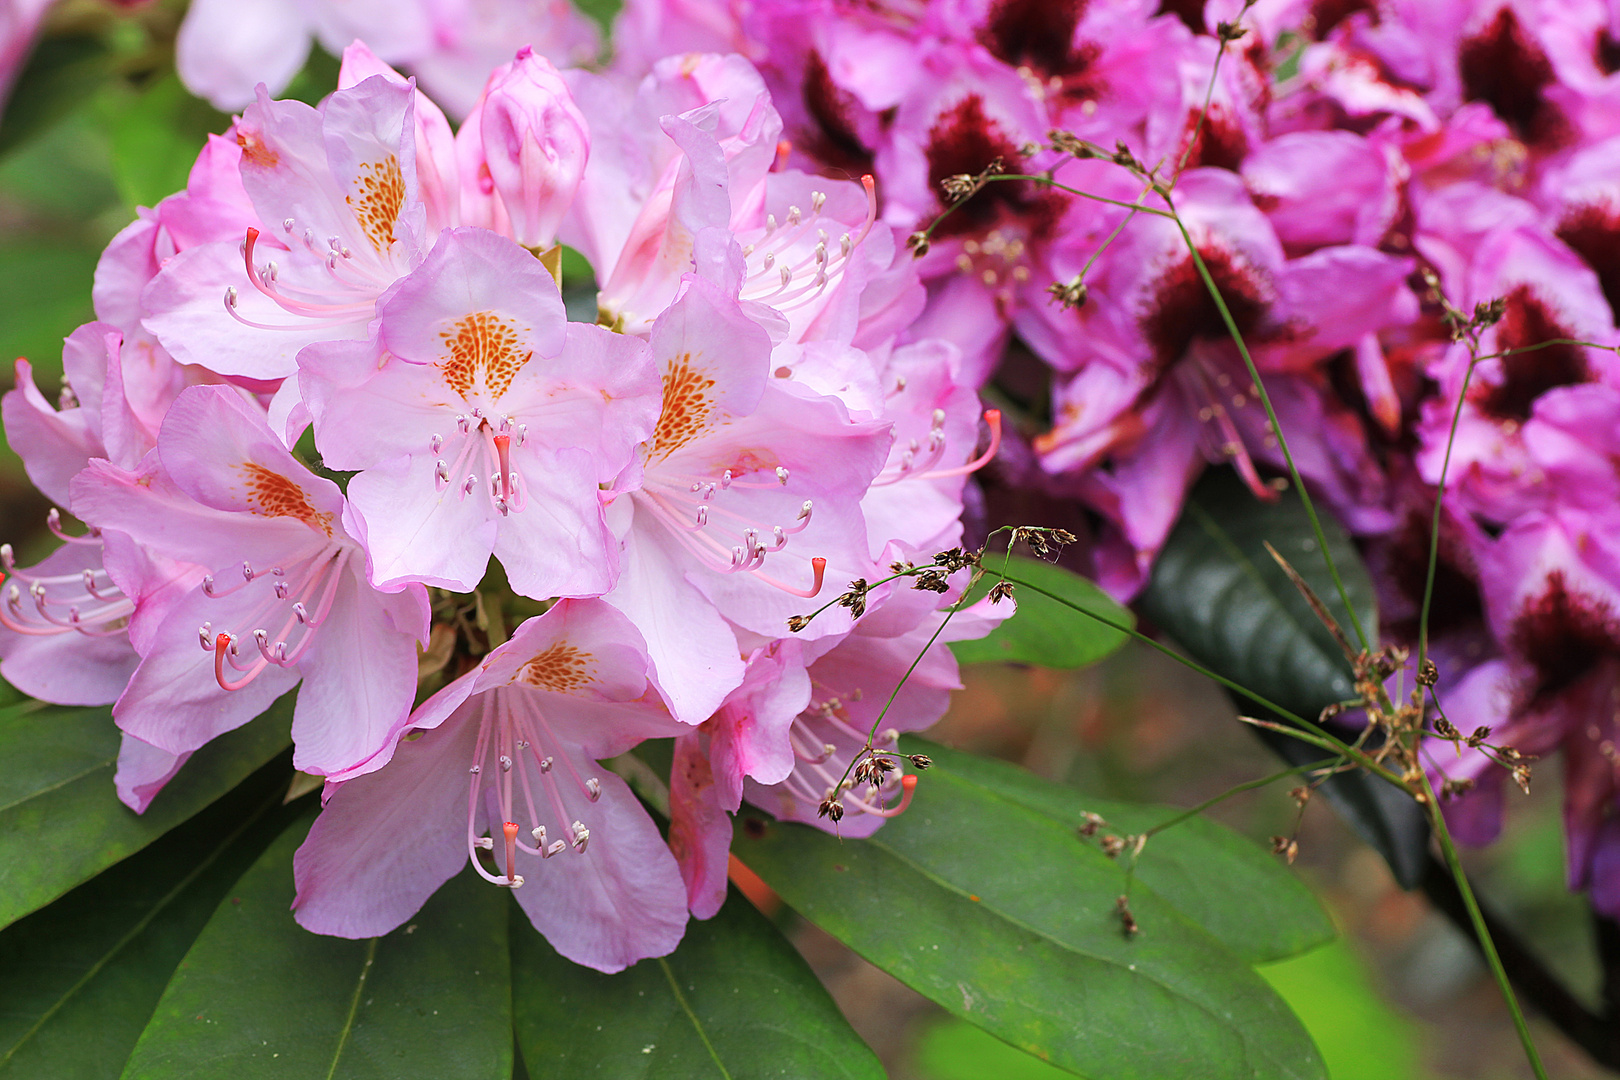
pixel 734 1000
pixel 1233 888
pixel 156 133
pixel 60 820
pixel 258 996
pixel 1222 597
pixel 1044 631
pixel 1001 915
pixel 83 975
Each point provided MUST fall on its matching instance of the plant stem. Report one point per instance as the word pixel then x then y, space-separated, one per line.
pixel 1482 933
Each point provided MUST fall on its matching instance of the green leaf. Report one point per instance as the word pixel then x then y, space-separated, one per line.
pixel 258 995
pixel 734 1000
pixel 84 973
pixel 1217 591
pixel 1003 917
pixel 956 1050
pixel 156 134
pixel 60 820
pixel 61 73
pixel 1044 631
pixel 1234 889
pixel 1361 1036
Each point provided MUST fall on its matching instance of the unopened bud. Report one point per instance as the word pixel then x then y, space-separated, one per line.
pixel 1428 674
pixel 534 141
pixel 918 243
pixel 922 761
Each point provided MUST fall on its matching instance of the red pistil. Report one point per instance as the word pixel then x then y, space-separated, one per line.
pixel 510 829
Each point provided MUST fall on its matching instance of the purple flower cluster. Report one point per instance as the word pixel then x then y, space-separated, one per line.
pixel 1349 172
pixel 668 486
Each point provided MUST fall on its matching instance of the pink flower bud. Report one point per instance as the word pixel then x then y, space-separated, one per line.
pixel 535 143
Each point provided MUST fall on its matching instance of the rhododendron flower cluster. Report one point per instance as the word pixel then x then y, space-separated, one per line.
pixel 335 377
pixel 1358 167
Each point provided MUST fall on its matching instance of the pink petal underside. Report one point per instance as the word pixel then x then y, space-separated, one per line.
pixel 387 840
pixel 699 828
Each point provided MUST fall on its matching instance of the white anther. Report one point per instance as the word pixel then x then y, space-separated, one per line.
pixel 283 590
pixel 793 215
pixel 470 483
pixel 522 433
pixel 593 788
pixel 287 224
pixel 516 882
pixel 556 846
pixel 539 834
pixel 781 474
pixel 546 763
pixel 475 770
pixel 748 249
pixel 271 270
pixel 818 199
pixel 821 254
pixel 702 516
pixel 204 632
pixel 441 471
pixel 483 841
pixel 435 444
pixel 770 224
pixel 230 296
pixel 582 836
pixel 769 260
pixel 247 571
pixel 846 245
pixel 787 274
pixel 725 480
pixel 939 417
pixel 208 585
pixel 301 612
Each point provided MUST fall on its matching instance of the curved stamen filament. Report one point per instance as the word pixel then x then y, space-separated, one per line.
pixel 992 417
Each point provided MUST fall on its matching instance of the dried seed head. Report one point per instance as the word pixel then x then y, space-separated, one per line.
pixel 797 623
pixel 1071 294
pixel 1092 822
pixel 1001 590
pixel 922 761
pixel 1126 920
pixel 832 808
pixel 1428 674
pixel 918 243
pixel 1112 845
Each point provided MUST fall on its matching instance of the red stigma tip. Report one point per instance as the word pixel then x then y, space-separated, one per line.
pixel 784 147
pixel 909 782
pixel 869 182
pixel 819 565
pixel 510 830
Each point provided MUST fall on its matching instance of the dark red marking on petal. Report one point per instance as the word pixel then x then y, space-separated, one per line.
pixel 1528 375
pixel 1562 633
pixel 1594 232
pixel 1182 309
pixel 1505 67
pixel 964 140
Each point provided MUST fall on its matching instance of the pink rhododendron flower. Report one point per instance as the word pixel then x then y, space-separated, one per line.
pixel 488 425
pixel 749 490
pixel 226 49
pixel 336 191
pixel 511 749
pixel 285 599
